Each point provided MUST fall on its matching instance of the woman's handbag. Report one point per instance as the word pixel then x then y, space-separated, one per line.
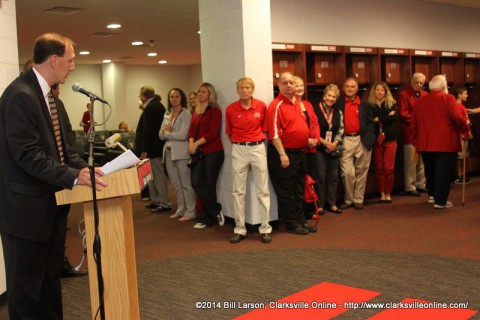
pixel 337 152
pixel 381 136
pixel 195 158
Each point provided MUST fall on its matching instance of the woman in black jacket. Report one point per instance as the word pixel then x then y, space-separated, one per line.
pixel 384 114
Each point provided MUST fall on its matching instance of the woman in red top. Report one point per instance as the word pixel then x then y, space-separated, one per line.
pixel 314 136
pixel 204 140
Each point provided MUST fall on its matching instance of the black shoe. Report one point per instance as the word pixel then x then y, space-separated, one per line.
pixel 237 237
pixel 160 209
pixel 310 228
pixel 336 211
pixel 346 205
pixel 151 206
pixel 413 193
pixel 298 230
pixel 358 206
pixel 266 237
pixel 74 273
pixel 422 190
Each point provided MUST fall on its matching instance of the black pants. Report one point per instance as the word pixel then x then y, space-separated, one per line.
pixel 204 181
pixel 327 177
pixel 288 184
pixel 438 171
pixel 33 275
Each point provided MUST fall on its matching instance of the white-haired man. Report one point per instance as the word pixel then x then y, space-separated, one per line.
pixel 436 124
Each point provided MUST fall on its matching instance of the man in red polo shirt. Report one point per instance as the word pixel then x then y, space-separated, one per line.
pixel 288 134
pixel 246 124
pixel 413 172
pixel 358 142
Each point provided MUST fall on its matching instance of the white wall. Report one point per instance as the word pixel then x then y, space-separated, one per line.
pixel 8 72
pixel 377 23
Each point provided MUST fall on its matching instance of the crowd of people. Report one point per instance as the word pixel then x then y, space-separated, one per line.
pixel 292 138
pixel 281 143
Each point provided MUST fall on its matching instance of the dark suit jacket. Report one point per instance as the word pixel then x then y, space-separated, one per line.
pixel 30 171
pixel 147 138
pixel 366 121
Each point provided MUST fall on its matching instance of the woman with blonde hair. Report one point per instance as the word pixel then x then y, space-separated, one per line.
pixel 384 112
pixel 205 147
pixel 330 120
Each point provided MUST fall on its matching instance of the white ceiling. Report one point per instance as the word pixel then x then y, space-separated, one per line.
pixel 171 25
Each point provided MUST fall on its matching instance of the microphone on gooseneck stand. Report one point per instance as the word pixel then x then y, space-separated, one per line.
pixel 77 87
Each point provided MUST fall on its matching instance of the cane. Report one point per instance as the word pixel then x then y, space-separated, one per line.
pixel 464 151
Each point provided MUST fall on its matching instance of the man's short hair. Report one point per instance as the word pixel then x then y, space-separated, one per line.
pixel 49 44
pixel 147 92
pixel 438 82
pixel 418 75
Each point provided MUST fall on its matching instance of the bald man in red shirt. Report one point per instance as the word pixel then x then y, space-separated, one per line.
pixel 288 134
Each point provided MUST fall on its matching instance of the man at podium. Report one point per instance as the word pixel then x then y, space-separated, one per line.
pixel 36 162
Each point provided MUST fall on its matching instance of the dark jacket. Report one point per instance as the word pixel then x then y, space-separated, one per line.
pixel 31 172
pixel 389 123
pixel 147 138
pixel 366 121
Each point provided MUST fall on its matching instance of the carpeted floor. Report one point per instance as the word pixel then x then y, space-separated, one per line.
pixel 403 250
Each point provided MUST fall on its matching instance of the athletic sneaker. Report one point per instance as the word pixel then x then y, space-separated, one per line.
pixel 448 204
pixel 200 225
pixel 221 219
pixel 459 180
pixel 431 199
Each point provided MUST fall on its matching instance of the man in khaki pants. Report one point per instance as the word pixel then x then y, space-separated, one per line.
pixel 358 141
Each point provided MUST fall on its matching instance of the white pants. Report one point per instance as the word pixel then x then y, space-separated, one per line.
pixel 244 157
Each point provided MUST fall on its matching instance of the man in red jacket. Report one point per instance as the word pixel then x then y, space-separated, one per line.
pixel 436 124
pixel 413 173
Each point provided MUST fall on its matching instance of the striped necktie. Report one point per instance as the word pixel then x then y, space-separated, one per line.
pixel 56 126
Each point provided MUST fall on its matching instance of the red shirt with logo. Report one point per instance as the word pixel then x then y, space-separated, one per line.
pixel 246 125
pixel 287 122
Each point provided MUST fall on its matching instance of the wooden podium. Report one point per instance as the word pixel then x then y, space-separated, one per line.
pixel 117 240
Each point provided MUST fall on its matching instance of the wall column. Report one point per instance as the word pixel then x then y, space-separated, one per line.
pixel 236 42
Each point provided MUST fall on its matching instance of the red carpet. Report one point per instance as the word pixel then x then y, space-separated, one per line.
pixel 327 300
pixel 323 301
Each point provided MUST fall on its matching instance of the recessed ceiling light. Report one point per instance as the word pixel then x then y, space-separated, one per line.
pixel 137 43
pixel 83 53
pixel 152 54
pixel 107 61
pixel 162 61
pixel 199 31
pixel 114 26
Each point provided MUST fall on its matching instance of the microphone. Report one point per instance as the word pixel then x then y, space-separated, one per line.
pixel 114 141
pixel 77 87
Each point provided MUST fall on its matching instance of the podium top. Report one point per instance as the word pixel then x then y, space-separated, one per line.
pixel 120 183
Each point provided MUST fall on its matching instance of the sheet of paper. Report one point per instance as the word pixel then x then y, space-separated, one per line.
pixel 123 161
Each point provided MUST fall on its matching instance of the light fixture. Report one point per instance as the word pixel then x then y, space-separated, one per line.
pixel 84 53
pixel 107 61
pixel 199 32
pixel 152 54
pixel 114 26
pixel 137 43
pixel 162 61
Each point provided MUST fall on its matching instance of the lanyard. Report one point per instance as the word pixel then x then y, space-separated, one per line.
pixel 329 119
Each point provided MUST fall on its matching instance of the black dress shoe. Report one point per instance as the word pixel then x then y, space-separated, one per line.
pixel 358 206
pixel 336 211
pixel 266 237
pixel 310 228
pixel 422 190
pixel 151 206
pixel 237 237
pixel 346 205
pixel 74 273
pixel 298 230
pixel 413 193
pixel 160 209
